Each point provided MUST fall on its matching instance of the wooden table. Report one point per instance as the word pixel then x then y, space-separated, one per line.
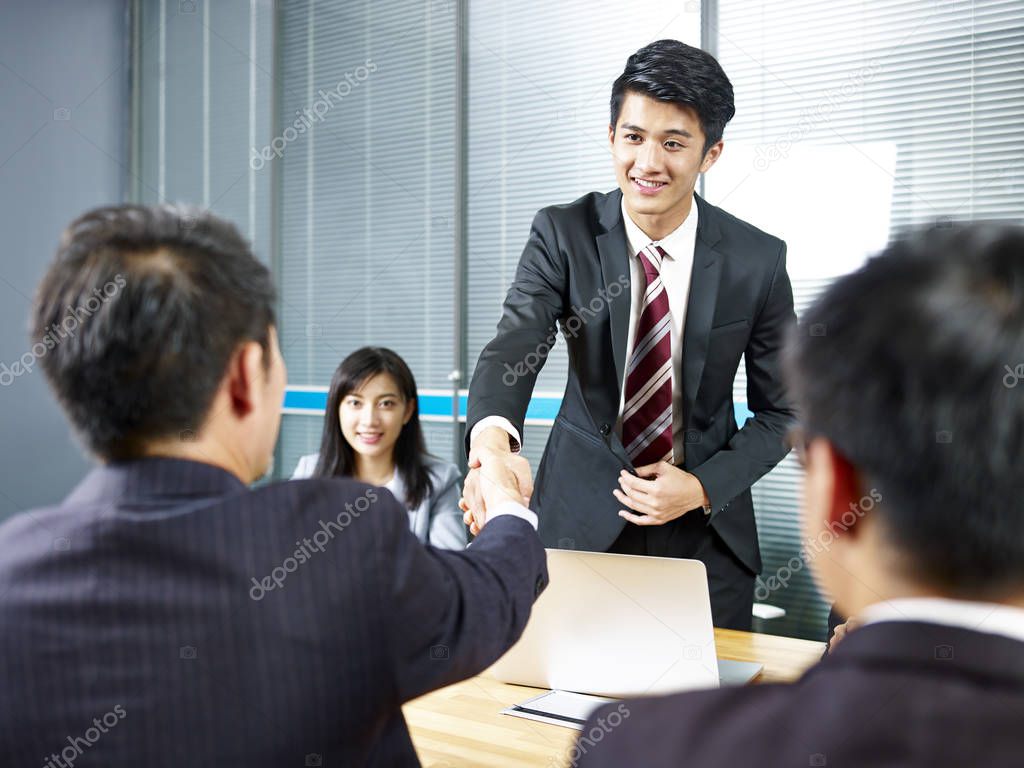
pixel 462 725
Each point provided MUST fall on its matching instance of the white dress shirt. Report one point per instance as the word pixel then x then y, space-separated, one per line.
pixel 675 274
pixel 515 509
pixel 993 618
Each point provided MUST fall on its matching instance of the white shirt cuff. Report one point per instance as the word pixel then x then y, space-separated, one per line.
pixel 515 509
pixel 515 444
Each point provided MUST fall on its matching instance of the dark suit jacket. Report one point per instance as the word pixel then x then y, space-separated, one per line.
pixel 740 302
pixel 891 694
pixel 136 596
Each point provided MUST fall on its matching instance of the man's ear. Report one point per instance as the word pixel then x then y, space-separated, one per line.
pixel 846 491
pixel 831 484
pixel 611 133
pixel 712 155
pixel 245 378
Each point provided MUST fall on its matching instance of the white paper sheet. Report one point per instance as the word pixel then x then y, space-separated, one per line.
pixel 564 708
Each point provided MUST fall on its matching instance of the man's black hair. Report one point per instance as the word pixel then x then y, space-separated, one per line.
pixel 668 70
pixel 138 316
pixel 913 368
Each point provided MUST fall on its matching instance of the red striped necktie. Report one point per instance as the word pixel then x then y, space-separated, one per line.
pixel 647 413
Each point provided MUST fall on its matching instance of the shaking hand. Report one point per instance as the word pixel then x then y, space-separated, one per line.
pixel 496 475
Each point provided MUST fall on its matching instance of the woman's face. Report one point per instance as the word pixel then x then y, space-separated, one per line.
pixel 373 415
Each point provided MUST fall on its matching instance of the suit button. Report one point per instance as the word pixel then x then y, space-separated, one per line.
pixel 605 429
pixel 539 586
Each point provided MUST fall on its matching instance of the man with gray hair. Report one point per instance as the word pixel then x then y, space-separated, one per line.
pixel 165 614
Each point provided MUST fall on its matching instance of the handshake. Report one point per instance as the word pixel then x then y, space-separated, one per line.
pixel 496 476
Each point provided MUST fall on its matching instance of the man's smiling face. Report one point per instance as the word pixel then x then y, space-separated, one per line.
pixel 658 151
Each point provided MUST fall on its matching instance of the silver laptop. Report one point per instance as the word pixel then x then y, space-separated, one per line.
pixel 619 625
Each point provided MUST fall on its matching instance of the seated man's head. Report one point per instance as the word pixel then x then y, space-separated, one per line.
pixel 155 327
pixel 908 375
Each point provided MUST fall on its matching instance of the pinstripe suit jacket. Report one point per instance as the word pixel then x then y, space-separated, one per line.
pixel 896 694
pixel 166 615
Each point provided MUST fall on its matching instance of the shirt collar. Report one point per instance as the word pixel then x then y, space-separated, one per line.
pixel 678 242
pixel 993 618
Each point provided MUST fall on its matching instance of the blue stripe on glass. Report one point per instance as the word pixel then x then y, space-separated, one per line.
pixel 540 408
pixel 306 401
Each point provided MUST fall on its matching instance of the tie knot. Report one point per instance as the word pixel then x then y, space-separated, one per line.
pixel 651 258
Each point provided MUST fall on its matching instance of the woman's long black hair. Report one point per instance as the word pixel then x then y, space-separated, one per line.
pixel 336 455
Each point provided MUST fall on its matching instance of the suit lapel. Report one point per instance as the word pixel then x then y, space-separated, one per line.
pixel 700 309
pixel 612 247
pixel 700 306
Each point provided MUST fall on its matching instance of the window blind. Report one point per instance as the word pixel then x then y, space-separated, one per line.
pixel 366 194
pixel 205 89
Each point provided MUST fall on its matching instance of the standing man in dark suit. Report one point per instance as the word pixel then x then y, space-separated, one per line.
pixel 658 294
pixel 904 398
pixel 165 614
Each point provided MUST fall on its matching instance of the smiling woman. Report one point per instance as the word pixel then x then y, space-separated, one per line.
pixel 372 433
